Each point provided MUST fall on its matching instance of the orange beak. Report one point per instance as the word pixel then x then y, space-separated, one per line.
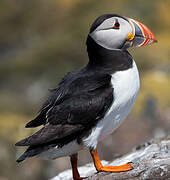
pixel 142 35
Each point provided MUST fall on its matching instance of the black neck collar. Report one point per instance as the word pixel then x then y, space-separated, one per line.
pixel 105 60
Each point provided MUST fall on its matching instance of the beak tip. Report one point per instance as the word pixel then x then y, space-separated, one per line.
pixel 143 31
pixel 150 42
pixel 154 41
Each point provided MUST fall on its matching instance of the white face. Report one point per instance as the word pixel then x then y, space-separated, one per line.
pixel 112 33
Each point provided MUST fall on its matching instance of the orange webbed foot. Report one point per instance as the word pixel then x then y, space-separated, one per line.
pixel 121 168
pixel 101 168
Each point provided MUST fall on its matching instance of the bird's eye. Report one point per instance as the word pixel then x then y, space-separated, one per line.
pixel 116 25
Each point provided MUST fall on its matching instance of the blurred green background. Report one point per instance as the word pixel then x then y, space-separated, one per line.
pixel 42 40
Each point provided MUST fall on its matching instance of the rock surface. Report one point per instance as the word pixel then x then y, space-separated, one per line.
pixel 151 161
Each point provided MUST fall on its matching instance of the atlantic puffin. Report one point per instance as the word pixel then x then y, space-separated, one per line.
pixel 90 103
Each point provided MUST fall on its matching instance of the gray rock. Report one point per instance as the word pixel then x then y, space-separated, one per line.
pixel 151 161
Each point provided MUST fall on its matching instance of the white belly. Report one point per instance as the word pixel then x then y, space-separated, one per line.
pixel 126 86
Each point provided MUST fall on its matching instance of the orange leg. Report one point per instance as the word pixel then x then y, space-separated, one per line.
pixel 100 167
pixel 76 175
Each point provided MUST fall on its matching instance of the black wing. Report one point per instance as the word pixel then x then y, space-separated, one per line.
pixel 71 91
pixel 81 108
pixel 70 113
pixel 49 133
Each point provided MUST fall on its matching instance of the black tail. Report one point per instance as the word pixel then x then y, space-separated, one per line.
pixel 21 158
pixel 30 152
pixel 33 151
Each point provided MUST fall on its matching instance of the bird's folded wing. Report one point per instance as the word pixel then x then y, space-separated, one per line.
pixel 49 133
pixel 69 88
pixel 79 112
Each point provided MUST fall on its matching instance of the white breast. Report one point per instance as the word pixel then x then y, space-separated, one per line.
pixel 126 86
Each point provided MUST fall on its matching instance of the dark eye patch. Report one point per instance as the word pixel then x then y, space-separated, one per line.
pixel 116 25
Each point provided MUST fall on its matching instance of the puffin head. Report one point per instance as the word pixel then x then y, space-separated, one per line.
pixel 117 32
